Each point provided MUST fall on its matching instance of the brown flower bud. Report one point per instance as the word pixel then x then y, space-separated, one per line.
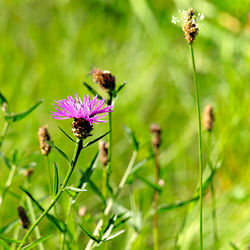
pixel 156 131
pixel 208 118
pixel 43 135
pixel 103 148
pixel 82 211
pixel 104 78
pixel 81 128
pixel 24 220
pixel 28 172
pixel 190 26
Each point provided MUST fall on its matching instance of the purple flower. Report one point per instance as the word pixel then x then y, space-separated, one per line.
pixel 88 110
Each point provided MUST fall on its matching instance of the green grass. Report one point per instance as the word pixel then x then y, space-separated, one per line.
pixel 48 48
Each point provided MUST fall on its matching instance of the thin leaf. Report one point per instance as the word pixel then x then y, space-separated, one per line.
pixel 119 223
pixel 234 246
pixel 6 160
pixel 59 151
pixel 8 226
pixel 107 231
pixel 10 240
pixel 20 116
pixel 149 183
pixel 55 179
pixel 36 242
pixel 4 244
pixel 167 207
pixel 75 189
pixel 67 135
pixel 85 176
pixel 120 88
pixel 91 90
pixel 140 164
pixel 58 223
pixel 114 235
pixel 95 140
pixel 89 234
pixel 97 191
pixel 2 99
pixel 131 137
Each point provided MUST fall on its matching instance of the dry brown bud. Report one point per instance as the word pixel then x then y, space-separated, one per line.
pixel 81 128
pixel 43 135
pixel 82 211
pixel 208 118
pixel 156 131
pixel 28 172
pixel 24 220
pixel 103 148
pixel 190 26
pixel 104 78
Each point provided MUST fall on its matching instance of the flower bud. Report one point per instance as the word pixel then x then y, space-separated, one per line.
pixel 24 220
pixel 208 118
pixel 103 148
pixel 104 78
pixel 43 135
pixel 155 129
pixel 81 128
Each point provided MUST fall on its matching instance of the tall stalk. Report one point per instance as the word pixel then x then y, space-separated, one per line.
pixel 78 149
pixel 5 129
pixel 199 139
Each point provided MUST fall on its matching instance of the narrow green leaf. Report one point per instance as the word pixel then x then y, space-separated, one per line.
pixel 167 207
pixel 55 179
pixel 131 137
pixel 20 116
pixel 122 221
pixel 4 244
pixel 89 234
pixel 6 160
pixel 234 246
pixel 85 176
pixel 67 135
pixel 149 183
pixel 59 151
pixel 2 99
pixel 8 226
pixel 95 140
pixel 75 189
pixel 10 240
pixel 107 231
pixel 36 242
pixel 91 90
pixel 58 223
pixel 114 235
pixel 97 191
pixel 120 88
pixel 140 164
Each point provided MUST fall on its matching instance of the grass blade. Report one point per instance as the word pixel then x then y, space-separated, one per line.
pixel 67 135
pixel 59 151
pixel 36 242
pixel 91 90
pixel 77 190
pixel 9 239
pixel 20 116
pixel 55 179
pixel 58 223
pixel 131 137
pixel 149 183
pixel 8 226
pixel 89 234
pixel 2 99
pixel 120 88
pixel 114 235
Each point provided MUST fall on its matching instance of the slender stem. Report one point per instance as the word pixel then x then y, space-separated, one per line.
pixel 104 181
pixel 155 199
pixel 199 139
pixel 5 129
pixel 110 201
pixel 49 174
pixel 60 191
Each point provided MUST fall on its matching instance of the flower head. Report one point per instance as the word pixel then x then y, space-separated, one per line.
pixel 208 118
pixel 85 113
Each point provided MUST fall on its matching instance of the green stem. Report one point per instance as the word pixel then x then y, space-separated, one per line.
pixel 104 181
pixel 5 129
pixel 49 174
pixel 60 191
pixel 199 139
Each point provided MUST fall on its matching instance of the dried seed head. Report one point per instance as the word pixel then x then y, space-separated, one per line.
pixel 44 136
pixel 208 117
pixel 104 78
pixel 103 148
pixel 156 131
pixel 189 26
pixel 24 220
pixel 82 211
pixel 81 128
pixel 28 172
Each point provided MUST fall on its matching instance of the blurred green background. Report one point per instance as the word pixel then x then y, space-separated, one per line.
pixel 47 49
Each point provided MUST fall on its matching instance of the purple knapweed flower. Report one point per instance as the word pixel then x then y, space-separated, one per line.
pixel 85 113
